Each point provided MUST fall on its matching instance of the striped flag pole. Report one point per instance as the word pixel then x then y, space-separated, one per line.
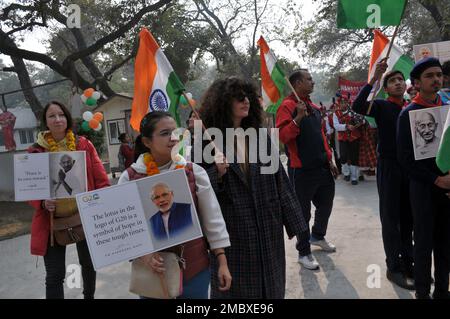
pixel 378 83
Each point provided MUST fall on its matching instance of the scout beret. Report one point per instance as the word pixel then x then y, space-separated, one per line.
pixel 422 65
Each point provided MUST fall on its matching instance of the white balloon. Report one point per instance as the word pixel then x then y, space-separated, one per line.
pixel 99 127
pixel 83 98
pixel 87 116
pixel 189 95
pixel 96 95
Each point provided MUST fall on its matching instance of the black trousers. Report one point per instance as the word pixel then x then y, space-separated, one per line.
pixel 316 186
pixel 395 215
pixel 55 267
pixel 431 214
pixel 349 152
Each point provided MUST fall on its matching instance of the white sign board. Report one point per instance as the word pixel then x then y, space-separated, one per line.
pixel 440 50
pixel 426 130
pixel 126 221
pixel 49 175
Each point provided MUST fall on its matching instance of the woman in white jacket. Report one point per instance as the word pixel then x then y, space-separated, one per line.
pixel 153 156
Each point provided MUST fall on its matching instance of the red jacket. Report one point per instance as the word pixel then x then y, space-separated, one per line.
pixel 290 133
pixel 128 154
pixel 96 178
pixel 349 136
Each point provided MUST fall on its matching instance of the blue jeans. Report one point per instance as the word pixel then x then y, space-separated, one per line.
pixel 196 288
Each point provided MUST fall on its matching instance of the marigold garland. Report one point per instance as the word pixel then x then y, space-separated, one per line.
pixel 152 167
pixel 70 141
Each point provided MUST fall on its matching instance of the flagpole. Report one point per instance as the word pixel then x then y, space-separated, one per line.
pixel 377 85
pixel 387 56
pixel 203 125
pixel 293 90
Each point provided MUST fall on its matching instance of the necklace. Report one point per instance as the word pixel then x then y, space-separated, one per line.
pixel 70 142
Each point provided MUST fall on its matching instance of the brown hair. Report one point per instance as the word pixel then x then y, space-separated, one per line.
pixel 65 111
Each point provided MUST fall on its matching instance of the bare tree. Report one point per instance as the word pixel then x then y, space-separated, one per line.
pixel 16 18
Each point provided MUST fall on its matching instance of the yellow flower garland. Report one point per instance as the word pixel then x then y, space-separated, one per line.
pixel 70 142
pixel 152 167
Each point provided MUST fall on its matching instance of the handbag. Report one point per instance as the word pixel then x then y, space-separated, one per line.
pixel 68 230
pixel 145 282
pixel 65 207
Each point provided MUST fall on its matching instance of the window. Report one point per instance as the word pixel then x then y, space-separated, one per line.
pixel 26 136
pixel 115 128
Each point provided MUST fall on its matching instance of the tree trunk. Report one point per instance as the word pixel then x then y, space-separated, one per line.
pixel 25 84
pixel 443 26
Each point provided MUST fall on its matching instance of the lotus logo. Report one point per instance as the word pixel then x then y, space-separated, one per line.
pixel 90 197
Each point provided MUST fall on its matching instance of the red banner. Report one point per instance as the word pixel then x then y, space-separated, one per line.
pixel 350 87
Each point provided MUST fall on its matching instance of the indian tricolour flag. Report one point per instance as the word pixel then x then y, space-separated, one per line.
pixel 397 60
pixel 443 154
pixel 272 78
pixel 156 86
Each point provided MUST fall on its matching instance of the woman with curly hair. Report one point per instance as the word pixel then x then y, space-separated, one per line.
pixel 255 205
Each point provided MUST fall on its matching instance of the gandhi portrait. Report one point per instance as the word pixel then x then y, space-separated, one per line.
pixel 426 140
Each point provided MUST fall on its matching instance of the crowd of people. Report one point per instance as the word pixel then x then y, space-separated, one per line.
pixel 244 213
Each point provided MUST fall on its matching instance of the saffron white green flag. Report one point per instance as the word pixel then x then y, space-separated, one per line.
pixel 272 78
pixel 443 154
pixel 397 60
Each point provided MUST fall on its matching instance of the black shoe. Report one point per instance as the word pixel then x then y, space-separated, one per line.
pixel 361 178
pixel 440 295
pixel 347 178
pixel 354 182
pixel 400 280
pixel 423 296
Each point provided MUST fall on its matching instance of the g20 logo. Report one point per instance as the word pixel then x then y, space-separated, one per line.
pixel 89 198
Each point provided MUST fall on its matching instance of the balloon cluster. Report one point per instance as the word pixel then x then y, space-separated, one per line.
pixel 184 102
pixel 92 121
pixel 90 97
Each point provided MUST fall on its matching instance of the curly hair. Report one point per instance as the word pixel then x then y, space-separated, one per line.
pixel 217 103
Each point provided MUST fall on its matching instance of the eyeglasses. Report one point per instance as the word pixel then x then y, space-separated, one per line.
pixel 165 133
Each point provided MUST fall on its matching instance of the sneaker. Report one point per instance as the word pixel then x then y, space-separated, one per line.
pixel 354 182
pixel 324 244
pixel 400 280
pixel 347 178
pixel 361 178
pixel 309 262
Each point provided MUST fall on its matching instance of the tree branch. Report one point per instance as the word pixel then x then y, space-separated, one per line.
pixel 119 32
pixel 26 26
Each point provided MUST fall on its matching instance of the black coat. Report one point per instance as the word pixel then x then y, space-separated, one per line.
pixel 255 211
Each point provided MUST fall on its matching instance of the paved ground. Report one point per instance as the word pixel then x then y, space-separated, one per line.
pixel 354 228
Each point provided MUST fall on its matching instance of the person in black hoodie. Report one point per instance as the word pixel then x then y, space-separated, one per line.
pixel 392 182
pixel 429 189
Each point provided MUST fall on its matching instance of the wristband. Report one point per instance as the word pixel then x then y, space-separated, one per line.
pixel 221 253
